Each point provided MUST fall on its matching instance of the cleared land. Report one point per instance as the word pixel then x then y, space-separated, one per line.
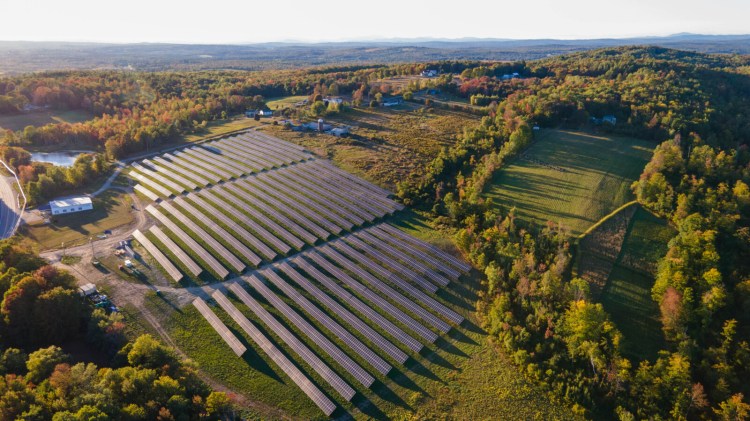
pixel 111 210
pixel 386 144
pixel 40 118
pixel 627 295
pixel 284 102
pixel 461 376
pixel 571 178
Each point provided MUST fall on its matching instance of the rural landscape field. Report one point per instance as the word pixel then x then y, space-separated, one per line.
pixel 201 220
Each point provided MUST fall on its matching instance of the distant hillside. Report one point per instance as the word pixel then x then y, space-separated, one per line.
pixel 22 56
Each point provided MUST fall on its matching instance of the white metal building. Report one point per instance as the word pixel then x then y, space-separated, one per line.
pixel 70 205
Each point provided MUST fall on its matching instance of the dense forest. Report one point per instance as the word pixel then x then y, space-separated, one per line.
pixel 42 310
pixel 695 109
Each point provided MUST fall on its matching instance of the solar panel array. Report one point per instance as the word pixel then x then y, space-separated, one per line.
pixel 344 311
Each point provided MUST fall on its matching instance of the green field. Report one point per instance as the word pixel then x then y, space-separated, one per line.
pixel 40 118
pixel 461 376
pixel 284 102
pixel 111 210
pixel 571 178
pixel 627 299
pixel 627 294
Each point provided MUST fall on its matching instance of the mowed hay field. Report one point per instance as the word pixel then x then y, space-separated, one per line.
pixel 387 144
pixel 40 118
pixel 572 178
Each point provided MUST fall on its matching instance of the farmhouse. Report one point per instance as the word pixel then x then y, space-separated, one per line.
pixel 390 102
pixel 70 205
pixel 333 100
pixel 259 113
pixel 429 73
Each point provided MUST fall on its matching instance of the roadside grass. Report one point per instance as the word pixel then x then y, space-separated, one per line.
pixel 70 260
pixel 437 383
pixel 40 118
pixel 386 145
pixel 280 103
pixel 112 209
pixel 571 178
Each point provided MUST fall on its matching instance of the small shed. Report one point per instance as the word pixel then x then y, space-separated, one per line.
pixel 70 205
pixel 87 289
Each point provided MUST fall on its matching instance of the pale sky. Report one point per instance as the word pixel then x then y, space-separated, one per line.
pixel 234 21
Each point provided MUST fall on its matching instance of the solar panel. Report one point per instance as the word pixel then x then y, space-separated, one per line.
pixel 306 328
pixel 186 260
pixel 413 251
pixel 265 201
pixel 189 242
pixel 200 181
pixel 335 308
pixel 196 159
pixel 203 235
pixel 420 267
pixel 291 370
pixel 276 142
pixel 381 204
pixel 447 257
pixel 338 384
pixel 395 267
pixel 152 185
pixel 163 170
pixel 278 147
pixel 241 232
pixel 221 232
pixel 282 155
pixel 371 296
pixel 267 236
pixel 236 166
pixel 304 199
pixel 188 162
pixel 373 267
pixel 366 210
pixel 158 178
pixel 264 161
pixel 170 268
pixel 353 213
pixel 275 198
pixel 298 230
pixel 146 192
pixel 220 327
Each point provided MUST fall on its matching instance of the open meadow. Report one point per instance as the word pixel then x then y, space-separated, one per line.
pixel 40 118
pixel 386 144
pixel 571 178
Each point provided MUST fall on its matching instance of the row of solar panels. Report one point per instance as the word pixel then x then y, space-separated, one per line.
pixel 256 219
pixel 319 274
pixel 212 162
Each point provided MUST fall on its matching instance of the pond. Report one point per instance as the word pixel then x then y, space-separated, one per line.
pixel 61 159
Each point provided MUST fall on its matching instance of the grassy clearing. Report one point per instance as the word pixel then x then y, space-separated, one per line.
pixel 284 102
pixel 386 144
pixel 460 376
pixel 627 298
pixel 40 118
pixel 572 178
pixel 111 210
pixel 646 242
pixel 220 127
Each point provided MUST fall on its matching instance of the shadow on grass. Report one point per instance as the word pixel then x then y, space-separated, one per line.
pixel 446 346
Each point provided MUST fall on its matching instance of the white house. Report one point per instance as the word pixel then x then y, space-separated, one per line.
pixel 429 73
pixel 70 205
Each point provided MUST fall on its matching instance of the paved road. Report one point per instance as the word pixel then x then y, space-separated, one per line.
pixel 9 211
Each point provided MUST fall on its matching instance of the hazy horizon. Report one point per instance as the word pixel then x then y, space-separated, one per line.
pixel 235 22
